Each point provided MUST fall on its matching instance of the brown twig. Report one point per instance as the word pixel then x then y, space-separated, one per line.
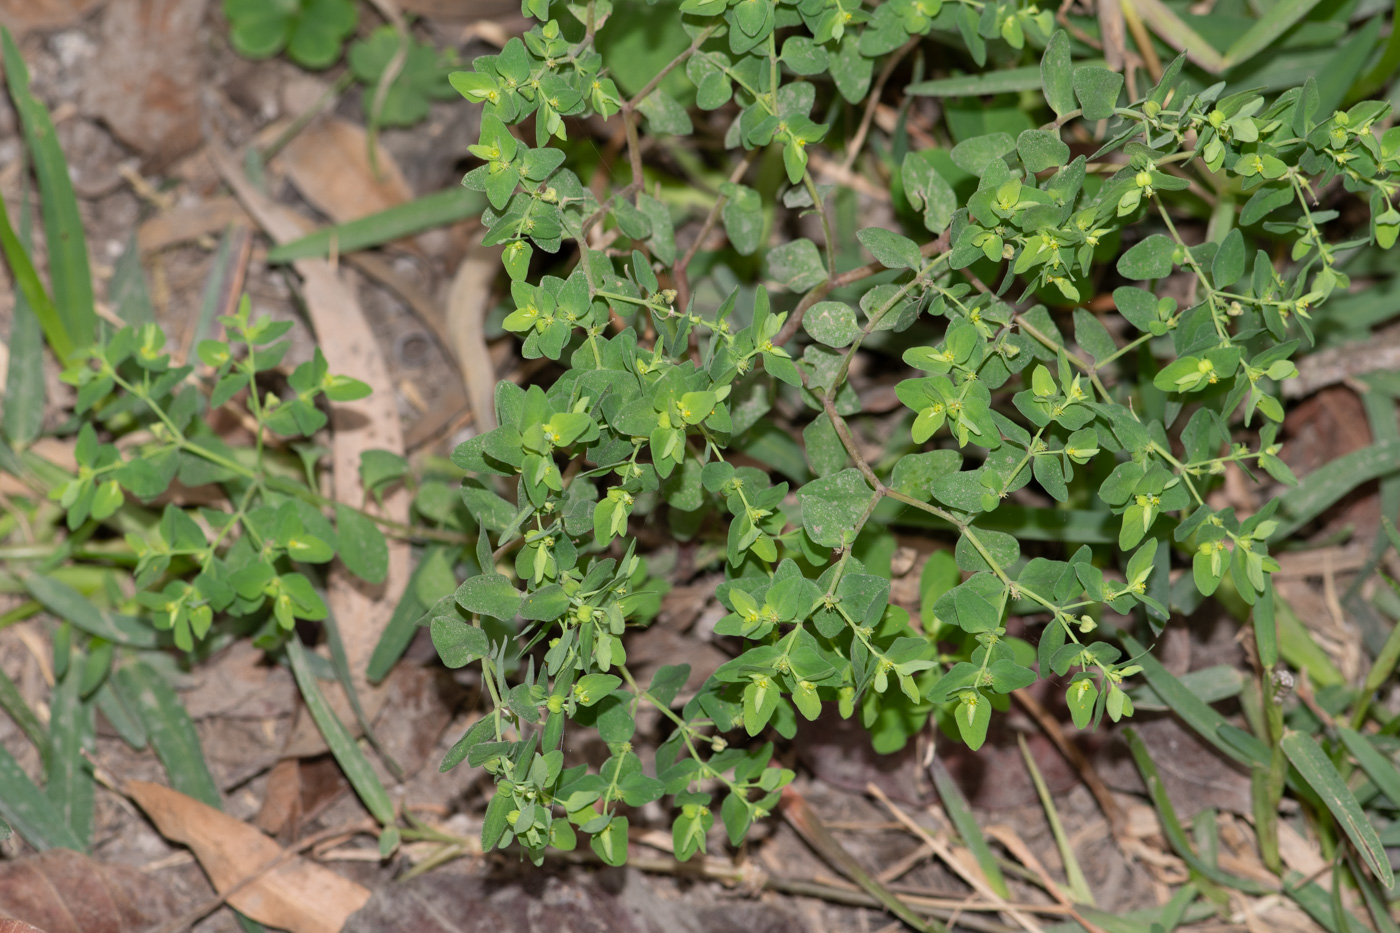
pixel 678 271
pixel 858 140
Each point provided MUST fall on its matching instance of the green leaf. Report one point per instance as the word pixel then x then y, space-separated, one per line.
pixel 1097 90
pixel 170 730
pixel 490 594
pixel 1317 770
pixel 26 809
pixel 1057 74
pixel 69 273
pixel 832 322
pixel 24 383
pixel 1149 259
pixel 797 265
pixel 1228 266
pixel 457 642
pixel 1000 81
pixel 362 547
pixel 72 731
pixel 67 603
pixel 347 753
pixel 430 212
pixel 1041 149
pixel 1327 484
pixel 891 249
pixel 832 505
pixel 973 155
pixel 1276 20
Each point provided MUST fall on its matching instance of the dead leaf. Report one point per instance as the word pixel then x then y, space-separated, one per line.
pixel 146 83
pixel 350 347
pixel 60 891
pixel 183 224
pixel 467 304
pixel 329 164
pixel 297 895
pixel 20 16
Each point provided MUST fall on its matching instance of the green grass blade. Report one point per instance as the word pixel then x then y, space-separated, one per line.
pixel 24 383
pixel 67 603
pixel 432 575
pixel 170 730
pixel 1382 667
pixel 1307 756
pixel 1078 885
pixel 127 291
pixel 1377 765
pixel 25 808
pixel 1172 30
pixel 434 210
pixel 341 663
pixel 1375 901
pixel 955 804
pixel 120 713
pixel 1264 33
pixel 1192 709
pixel 71 731
pixel 69 272
pixel 352 760
pixel 1171 825
pixel 1321 488
pixel 1300 650
pixel 1004 81
pixel 11 702
pixel 27 280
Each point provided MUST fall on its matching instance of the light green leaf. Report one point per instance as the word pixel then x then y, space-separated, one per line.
pixel 362 547
pixel 1097 90
pixel 1057 74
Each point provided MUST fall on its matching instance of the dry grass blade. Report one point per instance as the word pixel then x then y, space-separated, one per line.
pixel 945 852
pixel 467 305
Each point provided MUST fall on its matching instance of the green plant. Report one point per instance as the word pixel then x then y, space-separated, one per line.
pixel 422 80
pixel 660 389
pixel 311 31
pixel 1068 476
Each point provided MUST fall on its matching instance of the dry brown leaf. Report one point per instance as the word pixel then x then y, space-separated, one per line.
pixel 349 345
pixel 329 164
pixel 147 86
pixel 60 891
pixel 188 223
pixel 467 304
pixel 20 16
pixel 297 895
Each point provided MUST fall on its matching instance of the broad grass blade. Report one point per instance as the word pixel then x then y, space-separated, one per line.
pixel 1312 763
pixel 430 211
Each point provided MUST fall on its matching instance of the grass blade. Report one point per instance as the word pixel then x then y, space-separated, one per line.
pixel 12 703
pixel 71 731
pixel 352 760
pixel 69 272
pixel 434 210
pixel 432 575
pixel 1172 30
pixel 1078 885
pixel 25 808
pixel 1377 765
pixel 1171 825
pixel 118 709
pixel 67 603
pixel 1307 756
pixel 341 663
pixel 27 281
pixel 1193 710
pixel 24 384
pixel 1321 488
pixel 170 730
pixel 127 291
pixel 955 804
pixel 1382 667
pixel 1004 81
pixel 1264 33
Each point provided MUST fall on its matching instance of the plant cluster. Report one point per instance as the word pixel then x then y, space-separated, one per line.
pixel 640 424
pixel 1095 451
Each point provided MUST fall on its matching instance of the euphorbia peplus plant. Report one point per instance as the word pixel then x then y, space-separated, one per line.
pixel 663 386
